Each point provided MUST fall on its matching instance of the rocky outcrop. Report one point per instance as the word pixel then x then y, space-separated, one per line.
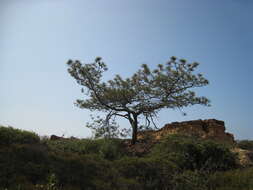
pixel 55 137
pixel 245 156
pixel 206 129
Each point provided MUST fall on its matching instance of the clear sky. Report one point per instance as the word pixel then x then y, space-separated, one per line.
pixel 37 37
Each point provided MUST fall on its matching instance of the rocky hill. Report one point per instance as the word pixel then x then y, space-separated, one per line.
pixel 206 129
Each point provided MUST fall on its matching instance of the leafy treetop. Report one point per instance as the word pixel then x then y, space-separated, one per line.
pixel 143 94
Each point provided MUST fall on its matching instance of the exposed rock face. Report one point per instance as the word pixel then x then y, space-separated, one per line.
pixel 245 156
pixel 206 129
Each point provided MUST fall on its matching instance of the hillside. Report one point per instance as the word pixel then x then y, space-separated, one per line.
pixel 173 161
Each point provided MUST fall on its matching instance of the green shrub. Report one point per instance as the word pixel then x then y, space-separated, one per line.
pixel 71 169
pixel 87 171
pixel 190 153
pixel 150 173
pixel 245 144
pixel 83 146
pixel 177 163
pixel 110 149
pixel 9 135
pixel 23 164
pixel 232 180
pixel 189 180
pixel 52 184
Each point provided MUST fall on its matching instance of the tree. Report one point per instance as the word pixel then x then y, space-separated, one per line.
pixel 142 95
pixel 106 128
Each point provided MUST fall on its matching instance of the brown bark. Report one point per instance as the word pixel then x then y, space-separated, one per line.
pixel 134 124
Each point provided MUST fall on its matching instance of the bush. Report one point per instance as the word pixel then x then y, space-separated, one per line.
pixel 190 153
pixel 72 170
pixel 190 180
pixel 23 164
pixel 232 180
pixel 177 163
pixel 149 173
pixel 84 171
pixel 110 149
pixel 9 135
pixel 245 144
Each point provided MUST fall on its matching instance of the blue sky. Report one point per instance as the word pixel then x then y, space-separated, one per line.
pixel 38 37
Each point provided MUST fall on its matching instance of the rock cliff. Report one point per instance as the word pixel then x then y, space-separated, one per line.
pixel 206 129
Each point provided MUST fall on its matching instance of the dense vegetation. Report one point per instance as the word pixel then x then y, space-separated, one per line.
pixel 28 162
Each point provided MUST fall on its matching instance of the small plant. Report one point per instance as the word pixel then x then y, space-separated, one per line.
pixel 51 184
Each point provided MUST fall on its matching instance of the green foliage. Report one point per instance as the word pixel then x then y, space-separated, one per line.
pixel 232 180
pixel 73 170
pixel 9 135
pixel 150 173
pixel 195 154
pixel 245 144
pixel 23 164
pixel 177 163
pixel 190 180
pixel 106 128
pixel 105 148
pixel 143 94
pixel 51 184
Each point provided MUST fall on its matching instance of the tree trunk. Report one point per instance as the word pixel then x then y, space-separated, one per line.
pixel 134 124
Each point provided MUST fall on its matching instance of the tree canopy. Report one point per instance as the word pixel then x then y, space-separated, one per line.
pixel 143 94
